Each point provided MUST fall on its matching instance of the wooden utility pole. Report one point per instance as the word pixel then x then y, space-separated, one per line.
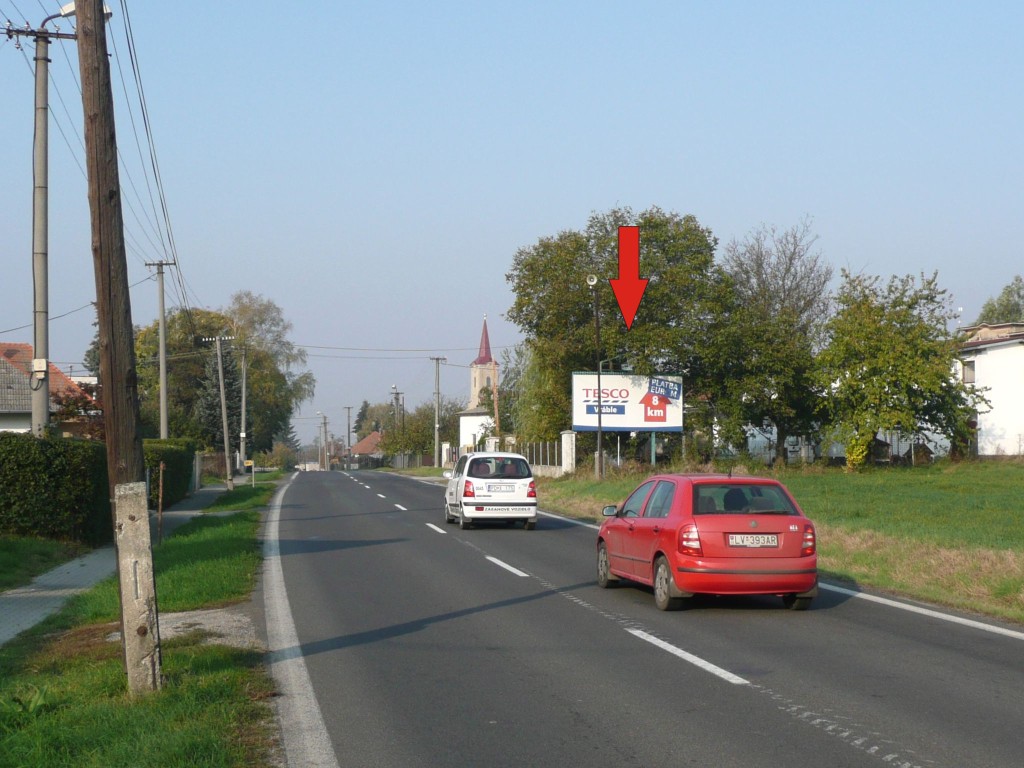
pixel 125 464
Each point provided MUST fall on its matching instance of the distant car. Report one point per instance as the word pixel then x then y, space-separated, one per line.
pixel 710 534
pixel 491 486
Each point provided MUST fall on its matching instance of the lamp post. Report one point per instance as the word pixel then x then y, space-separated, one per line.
pixel 599 463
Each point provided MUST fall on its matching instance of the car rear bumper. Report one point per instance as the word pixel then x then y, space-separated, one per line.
pixel 763 576
pixel 485 511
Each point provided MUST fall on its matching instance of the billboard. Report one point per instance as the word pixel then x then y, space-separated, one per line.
pixel 628 403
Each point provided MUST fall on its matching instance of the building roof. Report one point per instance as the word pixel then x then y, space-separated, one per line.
pixel 368 446
pixel 484 356
pixel 15 371
pixel 986 335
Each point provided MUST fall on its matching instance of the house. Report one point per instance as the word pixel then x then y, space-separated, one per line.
pixel 992 359
pixel 16 388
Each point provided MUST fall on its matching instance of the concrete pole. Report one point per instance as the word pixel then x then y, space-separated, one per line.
pixel 163 343
pixel 228 479
pixel 40 381
pixel 348 435
pixel 241 439
pixel 437 409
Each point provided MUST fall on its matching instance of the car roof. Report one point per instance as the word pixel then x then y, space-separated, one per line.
pixel 699 478
pixel 495 455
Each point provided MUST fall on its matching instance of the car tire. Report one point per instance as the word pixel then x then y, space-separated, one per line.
pixel 795 603
pixel 464 522
pixel 529 525
pixel 605 578
pixel 448 515
pixel 663 598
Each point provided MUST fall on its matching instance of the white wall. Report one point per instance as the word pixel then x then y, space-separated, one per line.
pixel 1000 369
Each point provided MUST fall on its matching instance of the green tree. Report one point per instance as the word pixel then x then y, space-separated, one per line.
pixel 360 421
pixel 554 307
pixel 888 364
pixel 1007 307
pixel 782 304
pixel 209 413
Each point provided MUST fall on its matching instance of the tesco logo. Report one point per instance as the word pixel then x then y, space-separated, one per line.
pixel 606 394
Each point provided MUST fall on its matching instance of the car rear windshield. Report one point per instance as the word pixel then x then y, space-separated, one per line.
pixel 511 468
pixel 734 499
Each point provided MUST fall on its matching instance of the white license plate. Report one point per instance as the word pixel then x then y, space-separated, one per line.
pixel 753 540
pixel 500 488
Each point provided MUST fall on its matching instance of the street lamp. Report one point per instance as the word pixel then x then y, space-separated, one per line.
pixel 599 464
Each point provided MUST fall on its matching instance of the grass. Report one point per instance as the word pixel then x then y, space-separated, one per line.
pixel 63 689
pixel 22 559
pixel 947 533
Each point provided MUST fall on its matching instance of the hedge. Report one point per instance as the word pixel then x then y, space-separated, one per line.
pixel 178 456
pixel 54 488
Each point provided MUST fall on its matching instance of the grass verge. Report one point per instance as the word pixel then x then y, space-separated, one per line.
pixel 947 533
pixel 63 692
pixel 22 559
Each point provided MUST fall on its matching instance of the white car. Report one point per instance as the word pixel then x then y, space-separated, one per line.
pixel 491 486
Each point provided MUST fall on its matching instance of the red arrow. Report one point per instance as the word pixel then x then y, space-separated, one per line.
pixel 629 287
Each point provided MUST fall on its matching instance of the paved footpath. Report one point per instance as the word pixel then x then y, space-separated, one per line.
pixel 26 606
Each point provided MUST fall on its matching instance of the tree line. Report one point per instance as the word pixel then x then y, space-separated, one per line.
pixel 762 340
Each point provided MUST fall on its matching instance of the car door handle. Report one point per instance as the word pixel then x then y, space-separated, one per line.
pixel 656 529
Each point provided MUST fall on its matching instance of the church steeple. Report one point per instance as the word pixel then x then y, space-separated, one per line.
pixel 483 372
pixel 484 356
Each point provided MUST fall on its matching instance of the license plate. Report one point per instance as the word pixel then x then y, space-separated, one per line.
pixel 753 540
pixel 500 488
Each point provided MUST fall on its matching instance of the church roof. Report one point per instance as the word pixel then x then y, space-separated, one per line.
pixel 484 356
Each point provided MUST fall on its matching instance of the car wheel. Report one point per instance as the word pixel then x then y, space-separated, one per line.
pixel 796 603
pixel 448 515
pixel 605 578
pixel 529 525
pixel 663 586
pixel 464 522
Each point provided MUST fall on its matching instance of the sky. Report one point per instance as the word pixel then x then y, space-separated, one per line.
pixel 372 168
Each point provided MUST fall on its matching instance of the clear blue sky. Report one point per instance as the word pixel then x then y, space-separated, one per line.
pixel 373 167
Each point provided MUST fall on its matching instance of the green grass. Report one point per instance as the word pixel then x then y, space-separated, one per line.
pixel 947 533
pixel 22 559
pixel 243 497
pixel 63 689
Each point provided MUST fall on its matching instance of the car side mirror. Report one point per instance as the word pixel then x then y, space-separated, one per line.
pixel 610 511
pixel 447 474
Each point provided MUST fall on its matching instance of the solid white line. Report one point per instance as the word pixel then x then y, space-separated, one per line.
pixel 707 666
pixel 303 732
pixel 401 507
pixel 926 612
pixel 437 528
pixel 507 567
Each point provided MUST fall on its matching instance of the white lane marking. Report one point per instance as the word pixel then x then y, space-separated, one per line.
pixel 927 612
pixel 401 507
pixel 507 567
pixel 382 495
pixel 303 732
pixel 437 528
pixel 697 661
pixel 573 521
pixel 366 486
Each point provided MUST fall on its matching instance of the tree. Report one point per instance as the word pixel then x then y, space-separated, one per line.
pixel 783 303
pixel 208 407
pixel 888 364
pixel 554 307
pixel 1008 307
pixel 360 421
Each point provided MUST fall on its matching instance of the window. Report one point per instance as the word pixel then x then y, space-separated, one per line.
pixel 661 500
pixel 635 503
pixel 968 371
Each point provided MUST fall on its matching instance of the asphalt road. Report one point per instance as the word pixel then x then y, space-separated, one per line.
pixel 426 645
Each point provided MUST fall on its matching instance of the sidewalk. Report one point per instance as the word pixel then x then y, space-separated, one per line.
pixel 26 606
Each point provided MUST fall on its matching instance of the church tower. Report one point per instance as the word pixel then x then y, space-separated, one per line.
pixel 483 372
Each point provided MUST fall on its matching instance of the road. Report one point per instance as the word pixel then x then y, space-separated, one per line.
pixel 426 646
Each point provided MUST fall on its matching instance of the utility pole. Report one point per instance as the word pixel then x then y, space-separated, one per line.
pixel 140 631
pixel 241 438
pixel 228 474
pixel 437 408
pixel 163 343
pixel 40 373
pixel 348 436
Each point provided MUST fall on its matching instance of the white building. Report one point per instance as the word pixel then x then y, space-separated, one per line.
pixel 992 359
pixel 476 421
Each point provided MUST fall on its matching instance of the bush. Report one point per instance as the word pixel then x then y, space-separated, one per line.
pixel 55 488
pixel 178 456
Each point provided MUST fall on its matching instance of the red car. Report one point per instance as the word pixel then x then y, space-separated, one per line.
pixel 710 534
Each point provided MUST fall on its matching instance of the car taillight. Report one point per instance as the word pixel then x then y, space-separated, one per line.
pixel 689 541
pixel 810 543
pixel 532 493
pixel 468 489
